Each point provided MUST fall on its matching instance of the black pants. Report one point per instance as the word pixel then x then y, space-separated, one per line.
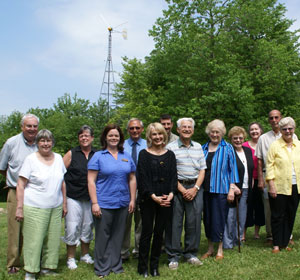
pixel 283 213
pixel 154 220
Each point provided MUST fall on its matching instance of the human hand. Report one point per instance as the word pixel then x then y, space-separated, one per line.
pixel 64 210
pixel 19 214
pixel 131 206
pixel 96 210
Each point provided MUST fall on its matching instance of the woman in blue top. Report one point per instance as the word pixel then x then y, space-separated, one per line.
pixel 219 185
pixel 112 188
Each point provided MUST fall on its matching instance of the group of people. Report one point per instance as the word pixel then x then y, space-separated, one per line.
pixel 166 182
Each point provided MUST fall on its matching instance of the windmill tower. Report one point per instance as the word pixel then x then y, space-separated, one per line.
pixel 108 82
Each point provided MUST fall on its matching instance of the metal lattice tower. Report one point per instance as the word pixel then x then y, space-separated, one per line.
pixel 108 83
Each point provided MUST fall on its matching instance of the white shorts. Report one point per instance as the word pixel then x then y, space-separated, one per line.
pixel 78 222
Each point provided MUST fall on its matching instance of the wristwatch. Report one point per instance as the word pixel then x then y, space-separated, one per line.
pixel 198 188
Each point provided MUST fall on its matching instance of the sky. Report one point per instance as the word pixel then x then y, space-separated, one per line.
pixel 52 47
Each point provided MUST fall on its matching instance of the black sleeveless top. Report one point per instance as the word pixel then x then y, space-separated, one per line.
pixel 76 176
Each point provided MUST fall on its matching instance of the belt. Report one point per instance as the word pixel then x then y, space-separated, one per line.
pixel 188 182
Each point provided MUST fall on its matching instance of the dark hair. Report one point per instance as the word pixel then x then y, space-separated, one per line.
pixel 166 117
pixel 105 132
pixel 259 125
pixel 85 127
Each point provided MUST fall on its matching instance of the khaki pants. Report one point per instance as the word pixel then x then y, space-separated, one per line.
pixel 15 238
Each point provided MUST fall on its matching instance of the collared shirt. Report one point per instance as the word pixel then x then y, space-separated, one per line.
pixel 263 144
pixel 140 145
pixel 173 137
pixel 223 168
pixel 112 186
pixel 12 155
pixel 279 165
pixel 190 160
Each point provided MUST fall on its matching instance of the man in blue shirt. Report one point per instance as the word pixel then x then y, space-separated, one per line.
pixel 133 146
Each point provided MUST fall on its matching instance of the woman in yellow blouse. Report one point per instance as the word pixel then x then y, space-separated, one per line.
pixel 283 176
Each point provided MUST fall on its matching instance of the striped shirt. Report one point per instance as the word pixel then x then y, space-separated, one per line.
pixel 223 168
pixel 190 160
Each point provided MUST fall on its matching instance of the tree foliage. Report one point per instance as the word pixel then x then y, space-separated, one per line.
pixel 229 59
pixel 63 120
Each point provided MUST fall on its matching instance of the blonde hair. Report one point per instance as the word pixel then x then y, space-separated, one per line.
pixel 159 128
pixel 237 130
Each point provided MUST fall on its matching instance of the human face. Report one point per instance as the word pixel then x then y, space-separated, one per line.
pixel 215 136
pixel 85 139
pixel 168 125
pixel 274 118
pixel 287 133
pixel 157 138
pixel 135 130
pixel 254 131
pixel 185 130
pixel 30 129
pixel 237 140
pixel 45 146
pixel 113 138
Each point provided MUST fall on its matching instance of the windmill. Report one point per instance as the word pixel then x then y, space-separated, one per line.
pixel 107 87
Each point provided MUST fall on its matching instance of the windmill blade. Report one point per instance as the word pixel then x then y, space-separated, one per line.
pixel 121 24
pixel 104 20
pixel 124 34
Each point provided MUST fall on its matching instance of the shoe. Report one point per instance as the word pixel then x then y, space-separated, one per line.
pixel 87 259
pixel 13 270
pixel 219 258
pixel 275 251
pixel 154 272
pixel 144 274
pixel 194 261
pixel 289 249
pixel 29 276
pixel 173 265
pixel 71 263
pixel 206 255
pixel 48 272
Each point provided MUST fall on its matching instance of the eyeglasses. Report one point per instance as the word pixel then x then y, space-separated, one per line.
pixel 134 127
pixel 285 129
pixel 237 138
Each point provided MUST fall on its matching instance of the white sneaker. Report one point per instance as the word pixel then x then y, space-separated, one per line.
pixel 29 276
pixel 48 272
pixel 71 263
pixel 87 259
pixel 173 265
pixel 194 261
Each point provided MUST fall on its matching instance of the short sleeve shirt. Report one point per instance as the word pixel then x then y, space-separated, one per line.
pixel 190 160
pixel 112 186
pixel 43 189
pixel 12 155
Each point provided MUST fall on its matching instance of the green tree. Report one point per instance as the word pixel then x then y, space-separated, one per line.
pixel 228 59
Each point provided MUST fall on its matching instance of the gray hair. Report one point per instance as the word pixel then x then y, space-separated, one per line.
pixel 287 121
pixel 29 116
pixel 85 128
pixel 217 124
pixel 45 134
pixel 185 120
pixel 134 119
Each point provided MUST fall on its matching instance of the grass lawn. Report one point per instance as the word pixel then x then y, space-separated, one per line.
pixel 254 262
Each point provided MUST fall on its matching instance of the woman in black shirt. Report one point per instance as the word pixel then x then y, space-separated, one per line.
pixel 157 182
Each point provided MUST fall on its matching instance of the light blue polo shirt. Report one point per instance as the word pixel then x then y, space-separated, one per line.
pixel 112 186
